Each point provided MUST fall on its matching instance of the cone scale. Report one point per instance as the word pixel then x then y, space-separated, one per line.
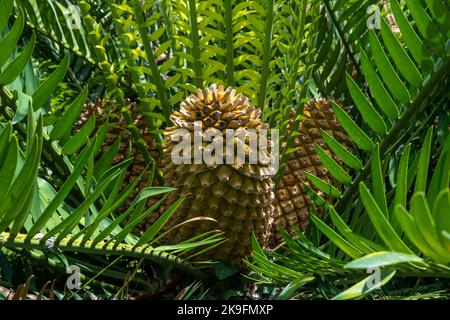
pixel 292 204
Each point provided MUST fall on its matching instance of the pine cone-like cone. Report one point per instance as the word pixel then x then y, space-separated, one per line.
pixel 292 204
pixel 238 196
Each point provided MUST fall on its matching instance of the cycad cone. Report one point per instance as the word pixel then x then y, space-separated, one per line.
pixel 238 197
pixel 212 191
pixel 292 204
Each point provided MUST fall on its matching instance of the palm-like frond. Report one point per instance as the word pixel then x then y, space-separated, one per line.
pixel 370 226
pixel 405 242
pixel 341 34
pixel 55 196
pixel 33 214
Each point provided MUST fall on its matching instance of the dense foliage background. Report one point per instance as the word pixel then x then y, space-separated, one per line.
pixel 387 216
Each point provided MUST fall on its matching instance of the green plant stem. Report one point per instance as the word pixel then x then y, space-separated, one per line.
pixel 229 41
pixel 197 65
pixel 292 83
pixel 151 60
pixel 267 55
pixel 135 77
pixel 341 34
pixel 143 251
pixel 169 30
pixel 106 65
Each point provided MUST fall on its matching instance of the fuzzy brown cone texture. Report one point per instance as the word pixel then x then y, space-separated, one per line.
pixel 292 204
pixel 239 197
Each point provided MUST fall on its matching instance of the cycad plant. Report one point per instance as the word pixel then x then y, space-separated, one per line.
pixel 376 221
pixel 56 197
pixel 66 197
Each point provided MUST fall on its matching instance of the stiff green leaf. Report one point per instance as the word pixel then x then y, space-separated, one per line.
pixel 107 159
pixel 9 43
pixel 23 183
pixel 100 136
pixel 440 14
pixel 323 186
pixel 346 156
pixel 7 6
pixel 331 165
pixel 316 199
pixel 31 128
pixel 424 159
pixel 390 77
pixel 441 211
pixel 109 206
pixel 89 230
pixel 194 243
pixel 348 234
pixel 24 210
pixel 65 123
pixel 256 247
pixel 23 104
pixel 151 192
pixel 380 222
pixel 345 246
pixel 27 193
pixel 292 288
pixel 366 286
pixel 382 259
pixel 15 68
pixel 5 136
pixel 445 238
pixel 80 138
pixel 134 221
pixel 157 226
pixel 426 225
pixel 105 233
pixel 441 175
pixel 44 91
pixel 377 89
pixel 8 168
pixel 425 26
pixel 368 112
pixel 410 37
pixel 268 266
pixel 357 135
pixel 62 194
pixel 67 225
pixel 410 227
pixel 402 61
pixel 402 178
pixel 378 187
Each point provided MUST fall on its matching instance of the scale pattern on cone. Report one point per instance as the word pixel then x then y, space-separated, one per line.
pixel 292 204
pixel 107 110
pixel 238 196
